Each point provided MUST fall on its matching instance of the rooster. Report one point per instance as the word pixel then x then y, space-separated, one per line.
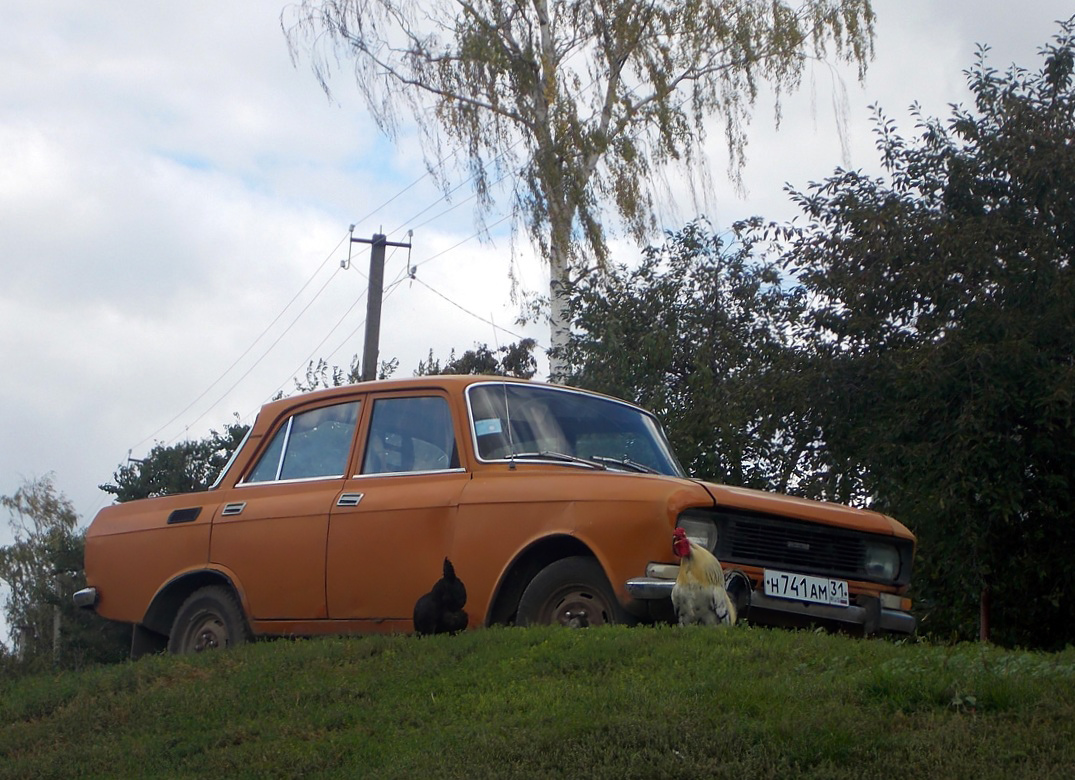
pixel 441 610
pixel 699 595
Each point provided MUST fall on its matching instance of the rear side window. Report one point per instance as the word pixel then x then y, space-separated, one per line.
pixel 310 445
pixel 410 434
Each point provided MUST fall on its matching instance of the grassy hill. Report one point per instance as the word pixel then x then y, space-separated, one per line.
pixel 600 703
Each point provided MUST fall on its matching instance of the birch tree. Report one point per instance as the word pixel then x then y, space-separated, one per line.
pixel 583 107
pixel 41 569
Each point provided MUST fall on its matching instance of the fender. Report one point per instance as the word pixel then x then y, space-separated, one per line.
pixel 169 597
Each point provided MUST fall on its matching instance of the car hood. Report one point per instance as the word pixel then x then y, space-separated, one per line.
pixel 726 496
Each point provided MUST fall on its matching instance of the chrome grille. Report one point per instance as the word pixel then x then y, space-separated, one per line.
pixel 780 543
pixel 795 547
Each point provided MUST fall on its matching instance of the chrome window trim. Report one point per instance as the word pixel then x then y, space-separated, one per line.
pixel 427 472
pixel 283 450
pixel 233 456
pixel 290 481
pixel 287 440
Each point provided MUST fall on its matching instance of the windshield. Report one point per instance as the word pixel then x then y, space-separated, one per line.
pixel 515 420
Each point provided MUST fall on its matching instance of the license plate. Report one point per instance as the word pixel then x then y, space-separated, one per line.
pixel 802 587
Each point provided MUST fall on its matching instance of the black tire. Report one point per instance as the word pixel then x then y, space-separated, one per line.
pixel 209 619
pixel 571 592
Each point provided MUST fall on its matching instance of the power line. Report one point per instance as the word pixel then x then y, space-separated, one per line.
pixel 472 314
pixel 426 175
pixel 387 293
pixel 405 274
pixel 309 358
pixel 332 330
pixel 263 354
pixel 246 352
pixel 408 271
pixel 276 319
pixel 445 198
pixel 471 237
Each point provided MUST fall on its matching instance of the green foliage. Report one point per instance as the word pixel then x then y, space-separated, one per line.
pixel 322 375
pixel 185 467
pixel 700 333
pixel 546 702
pixel 42 569
pixel 514 360
pixel 942 323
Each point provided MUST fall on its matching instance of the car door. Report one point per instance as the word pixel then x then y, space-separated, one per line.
pixel 272 528
pixel 387 545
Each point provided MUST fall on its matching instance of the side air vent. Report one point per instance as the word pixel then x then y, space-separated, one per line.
pixel 230 510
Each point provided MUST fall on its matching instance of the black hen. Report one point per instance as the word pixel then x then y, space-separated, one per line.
pixel 441 610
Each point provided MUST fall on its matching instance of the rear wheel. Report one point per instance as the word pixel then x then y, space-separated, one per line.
pixel 571 592
pixel 209 619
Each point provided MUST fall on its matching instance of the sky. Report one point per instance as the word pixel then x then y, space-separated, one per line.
pixel 176 196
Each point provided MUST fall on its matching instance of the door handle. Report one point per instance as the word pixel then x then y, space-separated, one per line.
pixel 349 499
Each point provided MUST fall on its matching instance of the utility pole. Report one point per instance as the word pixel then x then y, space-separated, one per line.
pixel 373 302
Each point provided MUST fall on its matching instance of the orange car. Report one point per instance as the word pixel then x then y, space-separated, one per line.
pixel 554 505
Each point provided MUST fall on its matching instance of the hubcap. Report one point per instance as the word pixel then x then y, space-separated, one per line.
pixel 209 634
pixel 578 607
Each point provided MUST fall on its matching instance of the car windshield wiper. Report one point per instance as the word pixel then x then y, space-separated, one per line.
pixel 627 463
pixel 558 456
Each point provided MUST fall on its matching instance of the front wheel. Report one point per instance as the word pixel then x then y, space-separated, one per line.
pixel 572 592
pixel 210 618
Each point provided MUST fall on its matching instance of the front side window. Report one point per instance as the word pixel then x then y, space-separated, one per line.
pixel 310 445
pixel 410 434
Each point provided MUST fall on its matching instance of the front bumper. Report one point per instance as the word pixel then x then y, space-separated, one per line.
pixel 866 615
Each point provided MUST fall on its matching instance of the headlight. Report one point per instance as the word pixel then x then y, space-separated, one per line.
pixel 882 561
pixel 700 529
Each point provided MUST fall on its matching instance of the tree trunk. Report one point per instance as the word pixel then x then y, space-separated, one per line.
pixel 983 614
pixel 559 319
pixel 560 218
pixel 55 634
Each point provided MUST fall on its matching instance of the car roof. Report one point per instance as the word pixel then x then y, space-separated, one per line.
pixel 453 383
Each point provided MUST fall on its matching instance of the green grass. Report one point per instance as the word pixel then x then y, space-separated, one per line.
pixel 600 703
